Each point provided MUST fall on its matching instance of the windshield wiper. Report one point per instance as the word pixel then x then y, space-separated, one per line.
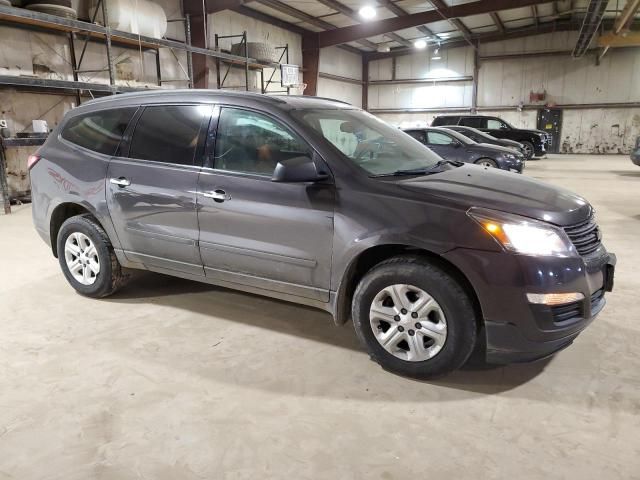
pixel 420 171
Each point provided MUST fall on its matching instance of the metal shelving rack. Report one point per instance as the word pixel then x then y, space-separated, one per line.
pixel 90 31
pixel 248 64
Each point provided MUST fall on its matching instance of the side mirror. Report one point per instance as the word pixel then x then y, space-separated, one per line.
pixel 297 169
pixel 457 144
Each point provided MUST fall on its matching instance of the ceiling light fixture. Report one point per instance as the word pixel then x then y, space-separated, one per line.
pixel 367 12
pixel 420 44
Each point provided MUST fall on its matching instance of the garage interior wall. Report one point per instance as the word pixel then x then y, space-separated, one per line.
pixel 601 104
pixel 45 55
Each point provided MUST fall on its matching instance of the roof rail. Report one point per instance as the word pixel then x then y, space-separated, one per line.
pixel 318 98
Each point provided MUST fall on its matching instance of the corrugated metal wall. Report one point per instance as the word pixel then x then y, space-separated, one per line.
pixel 506 83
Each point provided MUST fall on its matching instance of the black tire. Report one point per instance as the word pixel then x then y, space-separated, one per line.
pixel 490 163
pixel 455 303
pixel 529 150
pixel 111 275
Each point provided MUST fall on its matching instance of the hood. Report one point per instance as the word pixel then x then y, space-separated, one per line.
pixel 494 148
pixel 506 141
pixel 533 132
pixel 474 186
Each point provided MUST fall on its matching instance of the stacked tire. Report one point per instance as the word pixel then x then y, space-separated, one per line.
pixel 263 52
pixel 5 2
pixel 60 8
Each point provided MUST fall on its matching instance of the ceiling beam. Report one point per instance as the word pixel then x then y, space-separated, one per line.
pixel 276 22
pixel 401 12
pixel 498 22
pixel 621 25
pixel 213 6
pixel 625 19
pixel 440 7
pixel 353 15
pixel 369 29
pixel 545 27
pixel 631 39
pixel 305 17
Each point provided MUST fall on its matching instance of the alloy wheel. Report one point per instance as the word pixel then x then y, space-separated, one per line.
pixel 408 322
pixel 82 258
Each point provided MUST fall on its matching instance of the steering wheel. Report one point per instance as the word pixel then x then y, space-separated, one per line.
pixel 370 146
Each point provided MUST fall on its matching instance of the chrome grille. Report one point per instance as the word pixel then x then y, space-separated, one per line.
pixel 585 236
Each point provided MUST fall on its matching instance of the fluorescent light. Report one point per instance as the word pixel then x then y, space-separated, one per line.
pixel 420 44
pixel 367 12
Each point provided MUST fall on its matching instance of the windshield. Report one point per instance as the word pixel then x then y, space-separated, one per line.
pixel 477 133
pixel 369 142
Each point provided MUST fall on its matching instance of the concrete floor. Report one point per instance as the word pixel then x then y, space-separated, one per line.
pixel 171 379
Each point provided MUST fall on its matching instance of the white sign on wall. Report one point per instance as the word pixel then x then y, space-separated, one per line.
pixel 289 75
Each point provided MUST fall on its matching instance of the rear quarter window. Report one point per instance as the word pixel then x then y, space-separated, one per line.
pixel 99 131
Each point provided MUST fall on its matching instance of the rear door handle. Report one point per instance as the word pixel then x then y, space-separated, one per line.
pixel 217 195
pixel 121 182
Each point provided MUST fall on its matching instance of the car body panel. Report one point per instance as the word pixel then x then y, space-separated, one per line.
pixel 464 149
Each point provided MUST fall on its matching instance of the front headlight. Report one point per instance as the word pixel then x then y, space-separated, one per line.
pixel 523 235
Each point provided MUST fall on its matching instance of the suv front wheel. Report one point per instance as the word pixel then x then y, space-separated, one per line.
pixel 528 150
pixel 414 318
pixel 87 258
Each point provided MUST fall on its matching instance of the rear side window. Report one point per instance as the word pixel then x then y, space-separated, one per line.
pixel 168 133
pixel 99 131
pixel 496 124
pixel 475 122
pixel 418 135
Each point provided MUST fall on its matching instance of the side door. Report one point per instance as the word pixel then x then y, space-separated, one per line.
pixel 444 145
pixel 255 232
pixel 151 187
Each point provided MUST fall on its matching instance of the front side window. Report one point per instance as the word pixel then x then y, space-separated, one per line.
pixel 367 141
pixel 437 138
pixel 169 133
pixel 250 142
pixel 99 131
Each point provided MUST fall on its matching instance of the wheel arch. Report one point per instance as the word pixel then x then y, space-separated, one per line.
pixel 60 214
pixel 372 256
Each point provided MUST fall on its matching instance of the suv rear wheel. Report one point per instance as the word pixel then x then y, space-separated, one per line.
pixel 87 258
pixel 414 318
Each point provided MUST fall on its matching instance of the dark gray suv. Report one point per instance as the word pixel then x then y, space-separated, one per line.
pixel 316 202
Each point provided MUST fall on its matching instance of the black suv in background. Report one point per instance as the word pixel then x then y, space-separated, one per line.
pixel 319 203
pixel 535 142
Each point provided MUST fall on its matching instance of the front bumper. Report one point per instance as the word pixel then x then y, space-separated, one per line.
pixel 517 331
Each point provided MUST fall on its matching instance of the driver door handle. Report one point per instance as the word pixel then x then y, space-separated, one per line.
pixel 217 195
pixel 121 182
